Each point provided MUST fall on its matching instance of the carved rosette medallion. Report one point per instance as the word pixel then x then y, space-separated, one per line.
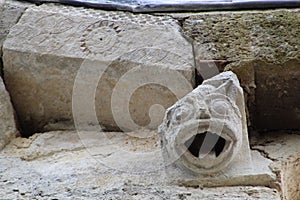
pixel 100 38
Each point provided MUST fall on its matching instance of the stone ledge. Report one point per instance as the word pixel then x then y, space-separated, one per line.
pixel 58 164
pixel 283 149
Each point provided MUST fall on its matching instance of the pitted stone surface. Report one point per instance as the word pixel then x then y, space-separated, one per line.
pixel 259 45
pixel 214 108
pixel 8 129
pixel 282 147
pixel 269 35
pixel 205 135
pixel 55 165
pixel 45 50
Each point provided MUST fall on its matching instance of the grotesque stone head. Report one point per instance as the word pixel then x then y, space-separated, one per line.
pixel 204 131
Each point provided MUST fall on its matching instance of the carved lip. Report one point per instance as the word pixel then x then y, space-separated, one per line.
pixel 208 163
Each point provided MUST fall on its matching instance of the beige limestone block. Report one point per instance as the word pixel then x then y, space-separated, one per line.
pixel 57 56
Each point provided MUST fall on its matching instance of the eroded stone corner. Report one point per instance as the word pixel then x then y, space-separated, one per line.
pixel 8 129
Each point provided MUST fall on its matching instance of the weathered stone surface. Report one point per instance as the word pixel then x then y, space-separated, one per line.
pixel 8 128
pixel 246 75
pixel 57 165
pixel 272 92
pixel 234 36
pixel 290 182
pixel 50 44
pixel 205 133
pixel 277 95
pixel 263 49
pixel 10 12
pixel 284 150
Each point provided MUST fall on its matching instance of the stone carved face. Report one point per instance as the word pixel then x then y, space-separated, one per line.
pixel 203 130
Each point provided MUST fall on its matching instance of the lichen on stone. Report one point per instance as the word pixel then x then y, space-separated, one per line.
pixel 269 35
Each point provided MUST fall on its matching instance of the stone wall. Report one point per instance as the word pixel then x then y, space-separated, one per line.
pixel 50 43
pixel 53 52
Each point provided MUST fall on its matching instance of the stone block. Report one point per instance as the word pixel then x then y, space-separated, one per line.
pixel 8 128
pixel 53 47
pixel 290 178
pixel 258 46
pixel 234 36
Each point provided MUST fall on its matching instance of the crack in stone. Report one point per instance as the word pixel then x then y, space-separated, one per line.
pixel 36 157
pixel 264 153
pixel 276 185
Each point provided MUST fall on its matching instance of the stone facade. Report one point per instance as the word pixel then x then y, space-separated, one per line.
pixel 63 63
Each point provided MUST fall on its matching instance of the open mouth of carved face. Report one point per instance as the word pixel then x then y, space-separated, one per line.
pixel 200 148
pixel 206 143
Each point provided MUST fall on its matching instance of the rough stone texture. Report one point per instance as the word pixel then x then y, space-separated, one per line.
pixel 8 128
pixel 214 108
pixel 277 95
pixel 269 35
pixel 263 49
pixel 205 134
pixel 272 92
pixel 45 50
pixel 10 12
pixel 284 150
pixel 56 165
pixel 290 182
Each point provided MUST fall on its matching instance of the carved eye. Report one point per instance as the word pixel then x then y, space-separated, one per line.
pixel 219 105
pixel 181 114
pixel 184 113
